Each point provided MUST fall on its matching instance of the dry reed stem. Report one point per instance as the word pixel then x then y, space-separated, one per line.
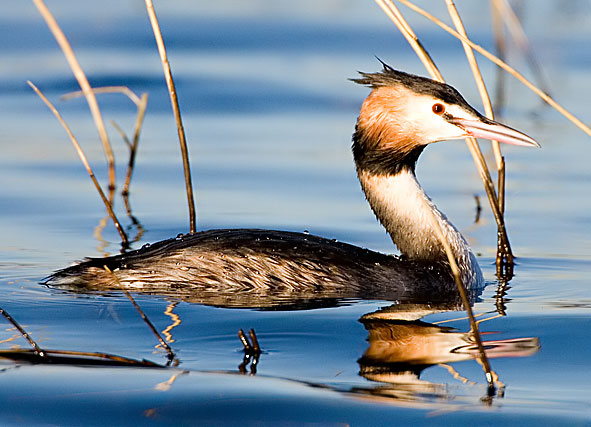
pixel 141 112
pixel 125 191
pixel 499 260
pixel 82 156
pixel 105 89
pixel 500 47
pixel 516 30
pixel 122 133
pixel 105 356
pixel 455 16
pixel 177 113
pixel 488 111
pixel 493 200
pixel 48 354
pixel 395 15
pixel 24 333
pixel 84 85
pixel 502 186
pixel 142 104
pixel 255 342
pixel 545 97
pixel 244 340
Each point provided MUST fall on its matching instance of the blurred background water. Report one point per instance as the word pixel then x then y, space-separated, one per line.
pixel 269 113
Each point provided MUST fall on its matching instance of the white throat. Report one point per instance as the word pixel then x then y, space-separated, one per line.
pixel 409 216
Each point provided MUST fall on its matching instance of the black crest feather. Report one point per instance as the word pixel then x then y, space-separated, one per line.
pixel 421 85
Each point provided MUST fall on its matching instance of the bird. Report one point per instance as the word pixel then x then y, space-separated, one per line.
pixel 266 269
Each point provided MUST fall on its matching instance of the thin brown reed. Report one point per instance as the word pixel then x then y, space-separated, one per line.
pixel 105 89
pixel 455 16
pixel 84 85
pixel 520 39
pixel 38 351
pixel 124 240
pixel 50 356
pixel 177 114
pixel 141 104
pixel 141 112
pixel 488 111
pixel 500 50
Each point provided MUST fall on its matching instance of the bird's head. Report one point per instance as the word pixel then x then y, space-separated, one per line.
pixel 404 113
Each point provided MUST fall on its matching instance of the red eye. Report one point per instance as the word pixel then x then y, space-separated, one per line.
pixel 438 108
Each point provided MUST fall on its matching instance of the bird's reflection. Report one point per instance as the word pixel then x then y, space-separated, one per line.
pixel 401 347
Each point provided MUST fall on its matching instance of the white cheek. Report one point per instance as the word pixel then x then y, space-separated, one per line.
pixel 435 128
pixel 445 131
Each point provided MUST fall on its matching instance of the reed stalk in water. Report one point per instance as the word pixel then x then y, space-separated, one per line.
pixel 177 114
pixel 252 351
pixel 503 258
pixel 38 351
pixel 488 111
pixel 55 356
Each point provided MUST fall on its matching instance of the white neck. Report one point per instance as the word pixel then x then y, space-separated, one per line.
pixel 409 216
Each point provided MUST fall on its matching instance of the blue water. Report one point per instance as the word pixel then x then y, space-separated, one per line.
pixel 269 114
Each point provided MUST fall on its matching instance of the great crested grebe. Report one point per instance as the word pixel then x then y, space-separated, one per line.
pixel 262 268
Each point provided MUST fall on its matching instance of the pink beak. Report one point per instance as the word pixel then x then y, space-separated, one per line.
pixel 489 129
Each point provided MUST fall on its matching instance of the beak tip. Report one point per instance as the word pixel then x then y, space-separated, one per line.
pixel 491 130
